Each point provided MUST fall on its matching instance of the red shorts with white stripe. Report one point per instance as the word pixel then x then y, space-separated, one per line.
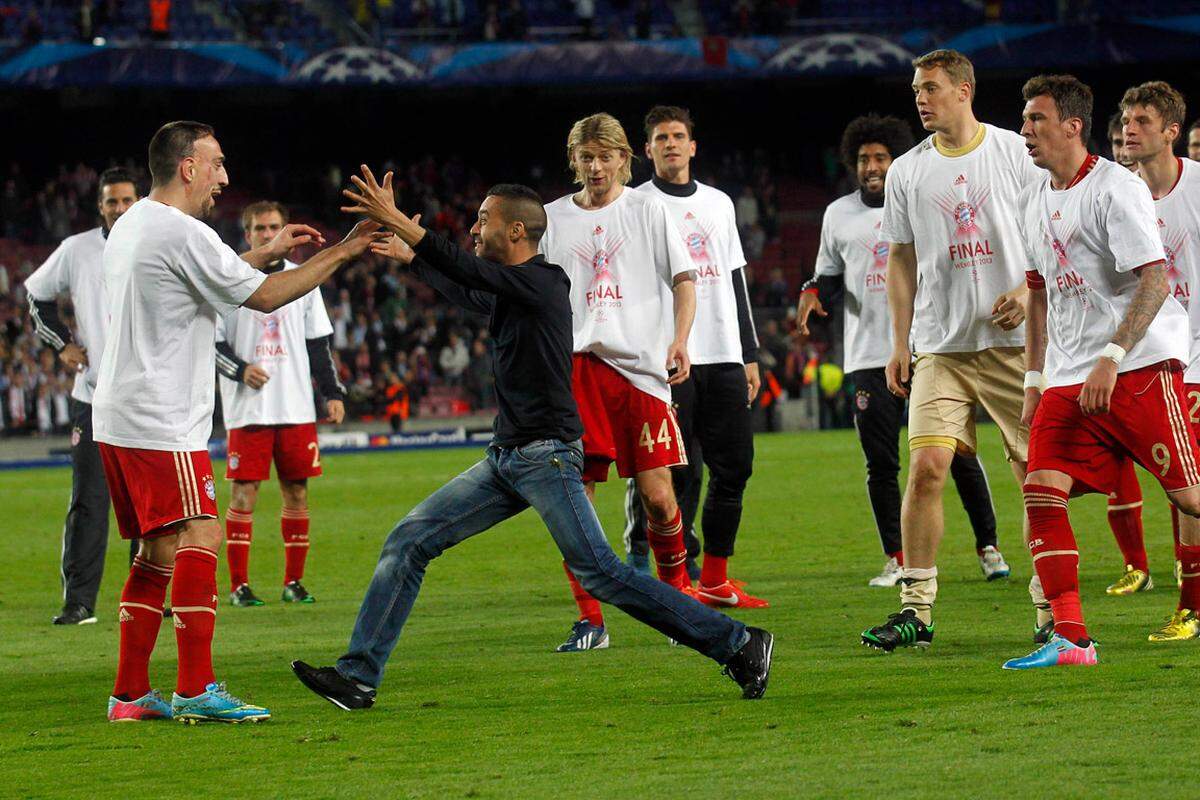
pixel 1147 422
pixel 622 423
pixel 153 489
pixel 293 447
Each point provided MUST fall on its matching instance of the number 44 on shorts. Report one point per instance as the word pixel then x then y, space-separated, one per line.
pixel 664 436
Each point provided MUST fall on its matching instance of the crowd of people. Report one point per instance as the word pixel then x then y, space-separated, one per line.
pixel 399 348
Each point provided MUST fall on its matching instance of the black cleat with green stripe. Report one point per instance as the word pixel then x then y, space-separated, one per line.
pixel 901 630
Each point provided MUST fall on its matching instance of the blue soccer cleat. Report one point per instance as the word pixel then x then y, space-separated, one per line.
pixel 149 706
pixel 216 705
pixel 1058 652
pixel 584 636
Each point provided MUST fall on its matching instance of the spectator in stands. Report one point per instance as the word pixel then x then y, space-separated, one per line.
pixel 480 377
pixel 514 22
pixel 642 19
pixel 453 360
pixel 754 241
pixel 32 29
pixel 585 15
pixel 745 210
pixel 775 292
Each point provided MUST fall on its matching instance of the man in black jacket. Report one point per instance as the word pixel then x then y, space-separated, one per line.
pixel 535 459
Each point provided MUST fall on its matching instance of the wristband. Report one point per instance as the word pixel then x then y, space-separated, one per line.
pixel 1034 380
pixel 1113 352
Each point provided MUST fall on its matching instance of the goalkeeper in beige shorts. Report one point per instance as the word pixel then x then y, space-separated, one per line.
pixel 956 292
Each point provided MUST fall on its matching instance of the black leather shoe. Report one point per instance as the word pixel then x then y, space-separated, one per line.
pixel 328 683
pixel 75 614
pixel 750 667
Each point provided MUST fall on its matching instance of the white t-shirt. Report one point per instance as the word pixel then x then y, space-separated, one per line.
pixel 850 246
pixel 167 278
pixel 960 214
pixel 1179 225
pixel 1085 242
pixel 75 267
pixel 706 222
pixel 622 261
pixel 275 342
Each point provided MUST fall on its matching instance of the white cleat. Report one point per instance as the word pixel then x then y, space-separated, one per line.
pixel 993 564
pixel 890 576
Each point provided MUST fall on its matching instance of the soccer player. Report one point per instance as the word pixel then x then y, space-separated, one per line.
pixel 1193 141
pixel 1116 142
pixel 852 265
pixel 75 268
pixel 1153 115
pixel 535 458
pixel 713 404
pixel 949 206
pixel 633 300
pixel 167 279
pixel 1104 337
pixel 269 362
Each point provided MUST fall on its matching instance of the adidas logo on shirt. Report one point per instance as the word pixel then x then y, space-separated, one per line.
pixel 1056 216
pixel 960 180
pixel 1161 224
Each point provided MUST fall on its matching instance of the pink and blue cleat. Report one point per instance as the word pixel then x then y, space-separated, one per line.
pixel 1058 652
pixel 150 706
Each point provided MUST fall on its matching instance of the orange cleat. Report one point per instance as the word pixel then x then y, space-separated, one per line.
pixel 729 594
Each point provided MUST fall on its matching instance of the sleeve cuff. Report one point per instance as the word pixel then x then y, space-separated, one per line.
pixel 1034 279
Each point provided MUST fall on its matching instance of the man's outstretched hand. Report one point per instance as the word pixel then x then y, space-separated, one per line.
pixel 292 236
pixel 395 248
pixel 376 201
pixel 362 236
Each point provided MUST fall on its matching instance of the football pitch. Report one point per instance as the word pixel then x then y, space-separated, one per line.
pixel 476 704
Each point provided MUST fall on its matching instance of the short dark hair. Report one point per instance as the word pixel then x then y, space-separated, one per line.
pixel 171 144
pixel 114 175
pixel 1114 123
pixel 892 133
pixel 524 205
pixel 262 207
pixel 1072 98
pixel 1162 97
pixel 1194 126
pixel 660 114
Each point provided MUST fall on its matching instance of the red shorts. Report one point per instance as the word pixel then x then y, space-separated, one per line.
pixel 294 448
pixel 622 423
pixel 153 489
pixel 1147 422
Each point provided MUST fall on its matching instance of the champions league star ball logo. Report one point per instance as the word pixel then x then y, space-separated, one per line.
pixel 600 267
pixel 841 52
pixel 358 65
pixel 879 253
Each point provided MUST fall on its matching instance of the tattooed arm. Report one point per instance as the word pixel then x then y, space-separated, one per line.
pixel 1151 293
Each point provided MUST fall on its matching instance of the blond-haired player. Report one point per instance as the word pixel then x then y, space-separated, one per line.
pixel 949 211
pixel 633 300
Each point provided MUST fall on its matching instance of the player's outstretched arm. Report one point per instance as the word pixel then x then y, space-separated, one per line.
pixel 1151 292
pixel 281 288
pixel 684 299
pixel 901 294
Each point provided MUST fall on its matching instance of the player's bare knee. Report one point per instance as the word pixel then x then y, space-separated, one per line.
pixel 243 495
pixel 1187 501
pixel 927 473
pixel 295 493
pixel 159 550
pixel 660 504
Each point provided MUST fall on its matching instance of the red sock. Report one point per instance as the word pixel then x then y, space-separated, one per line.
pixel 1189 590
pixel 589 607
pixel 194 609
pixel 141 616
pixel 713 572
pixel 293 522
pixel 1175 533
pixel 238 527
pixel 1056 558
pixel 670 554
pixel 1125 517
pixel 899 556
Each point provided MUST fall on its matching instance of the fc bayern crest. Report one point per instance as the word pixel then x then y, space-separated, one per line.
pixel 209 488
pixel 76 435
pixel 964 217
pixel 862 399
pixel 233 460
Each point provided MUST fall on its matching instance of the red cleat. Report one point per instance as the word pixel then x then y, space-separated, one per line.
pixel 729 594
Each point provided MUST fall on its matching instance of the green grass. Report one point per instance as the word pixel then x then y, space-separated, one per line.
pixel 475 704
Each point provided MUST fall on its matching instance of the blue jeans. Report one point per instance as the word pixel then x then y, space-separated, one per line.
pixel 545 475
